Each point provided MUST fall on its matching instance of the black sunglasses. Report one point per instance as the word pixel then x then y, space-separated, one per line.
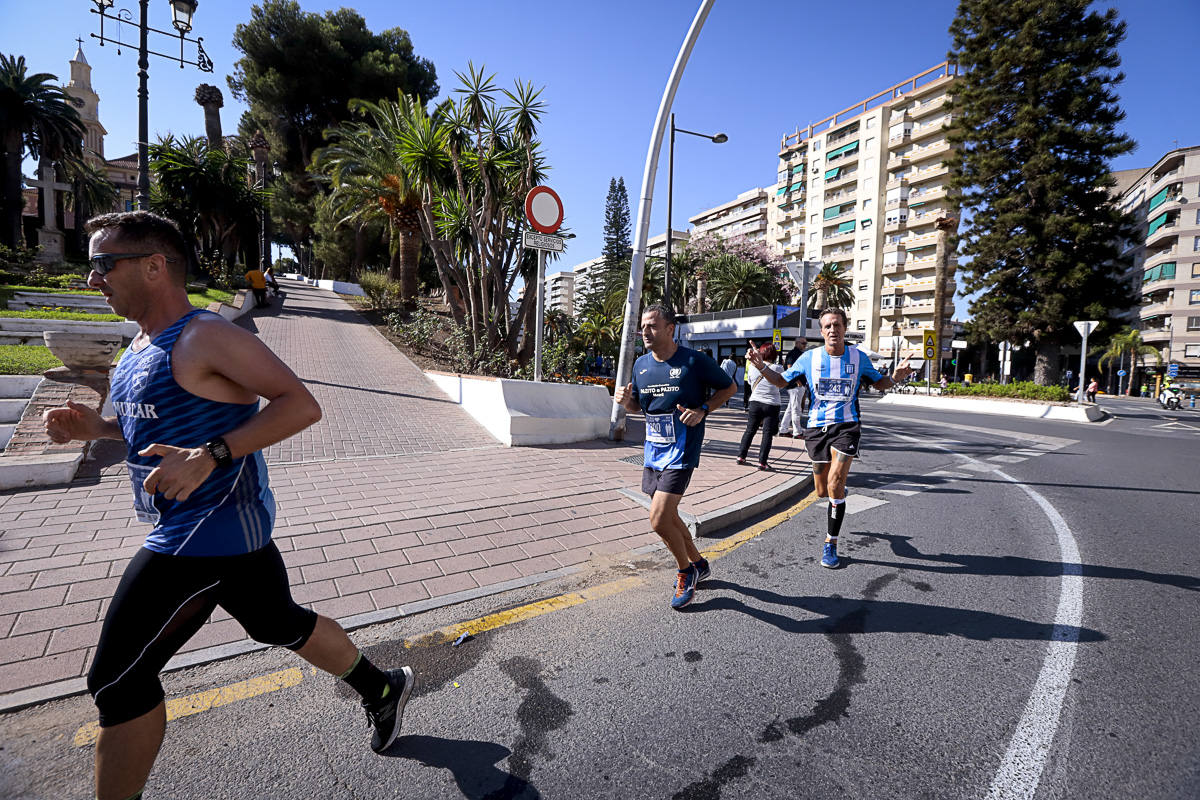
pixel 104 263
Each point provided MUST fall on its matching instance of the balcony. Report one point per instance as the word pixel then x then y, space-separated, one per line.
pixel 929 173
pixel 936 125
pixel 1159 256
pixel 1162 272
pixel 918 154
pixel 842 178
pixel 839 236
pixel 897 161
pixel 894 225
pixel 929 106
pixel 1162 229
pixel 892 269
pixel 927 195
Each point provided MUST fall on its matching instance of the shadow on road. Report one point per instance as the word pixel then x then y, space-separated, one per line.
pixel 473 764
pixel 856 615
pixel 1014 566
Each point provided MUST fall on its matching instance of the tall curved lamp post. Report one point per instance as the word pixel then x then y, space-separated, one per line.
pixel 181 20
pixel 718 138
pixel 261 150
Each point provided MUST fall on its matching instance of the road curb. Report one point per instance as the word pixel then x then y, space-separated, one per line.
pixel 716 520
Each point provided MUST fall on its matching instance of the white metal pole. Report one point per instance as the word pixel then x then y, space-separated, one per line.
pixel 1082 365
pixel 633 297
pixel 541 316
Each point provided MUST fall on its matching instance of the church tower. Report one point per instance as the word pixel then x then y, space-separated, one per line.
pixel 80 88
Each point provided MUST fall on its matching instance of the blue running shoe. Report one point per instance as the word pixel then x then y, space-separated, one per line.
pixel 685 587
pixel 703 570
pixel 829 558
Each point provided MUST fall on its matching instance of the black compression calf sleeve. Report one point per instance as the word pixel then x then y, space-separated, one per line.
pixel 837 512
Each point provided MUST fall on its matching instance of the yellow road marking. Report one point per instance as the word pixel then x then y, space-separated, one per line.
pixel 213 698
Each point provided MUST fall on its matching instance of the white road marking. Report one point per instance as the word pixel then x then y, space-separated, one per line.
pixel 1029 453
pixel 1006 459
pixel 979 466
pixel 861 502
pixel 1021 768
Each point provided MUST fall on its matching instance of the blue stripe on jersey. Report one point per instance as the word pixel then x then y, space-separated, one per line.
pixel 233 511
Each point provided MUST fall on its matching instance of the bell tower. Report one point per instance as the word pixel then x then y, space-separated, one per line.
pixel 80 88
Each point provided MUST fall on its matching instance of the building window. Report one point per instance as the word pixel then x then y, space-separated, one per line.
pixel 869 164
pixel 864 245
pixel 816 145
pixel 1196 242
pixel 1198 216
pixel 1193 324
pixel 869 143
pixel 861 325
pixel 1191 351
pixel 812 237
pixel 1194 297
pixel 870 123
pixel 1196 270
pixel 863 266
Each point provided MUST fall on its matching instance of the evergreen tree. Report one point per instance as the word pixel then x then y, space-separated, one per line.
pixel 1035 117
pixel 617 245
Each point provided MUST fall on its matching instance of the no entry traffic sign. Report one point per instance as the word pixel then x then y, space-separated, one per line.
pixel 543 209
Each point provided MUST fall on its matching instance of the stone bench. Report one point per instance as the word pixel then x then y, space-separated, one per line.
pixel 17 330
pixel 88 304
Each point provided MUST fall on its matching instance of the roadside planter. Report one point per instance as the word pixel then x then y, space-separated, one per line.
pixel 341 287
pixel 525 413
pixel 996 405
pixel 17 330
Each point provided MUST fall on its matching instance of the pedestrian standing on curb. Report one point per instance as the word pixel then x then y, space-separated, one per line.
pixel 834 372
pixel 186 394
pixel 764 407
pixel 792 422
pixel 730 366
pixel 1091 390
pixel 671 386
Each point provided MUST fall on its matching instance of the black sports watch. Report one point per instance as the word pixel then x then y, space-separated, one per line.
pixel 219 452
pixel 705 407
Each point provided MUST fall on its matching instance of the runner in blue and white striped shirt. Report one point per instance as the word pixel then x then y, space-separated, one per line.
pixel 834 373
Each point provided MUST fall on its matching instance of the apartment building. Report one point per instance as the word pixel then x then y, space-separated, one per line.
pixel 862 189
pixel 1166 201
pixel 744 216
pixel 560 292
pixel 656 247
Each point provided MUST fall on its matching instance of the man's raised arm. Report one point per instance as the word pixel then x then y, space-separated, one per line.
pixel 769 375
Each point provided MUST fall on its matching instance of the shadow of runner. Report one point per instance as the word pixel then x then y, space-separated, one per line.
pixel 857 615
pixel 472 762
pixel 1015 566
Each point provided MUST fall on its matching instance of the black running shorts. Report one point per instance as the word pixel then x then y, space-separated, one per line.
pixel 163 600
pixel 671 481
pixel 840 436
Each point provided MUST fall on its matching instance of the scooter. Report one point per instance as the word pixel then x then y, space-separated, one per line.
pixel 1170 398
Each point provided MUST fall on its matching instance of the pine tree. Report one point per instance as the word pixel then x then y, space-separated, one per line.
pixel 617 245
pixel 1035 117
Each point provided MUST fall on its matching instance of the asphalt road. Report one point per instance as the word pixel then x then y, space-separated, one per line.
pixel 963 651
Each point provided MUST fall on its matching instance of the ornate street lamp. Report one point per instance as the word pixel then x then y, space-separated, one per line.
pixel 181 12
pixel 718 138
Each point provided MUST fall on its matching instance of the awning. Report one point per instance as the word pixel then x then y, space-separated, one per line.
pixel 846 226
pixel 782 189
pixel 1159 198
pixel 830 213
pixel 918 203
pixel 1157 223
pixel 830 174
pixel 846 148
pixel 796 169
pixel 795 187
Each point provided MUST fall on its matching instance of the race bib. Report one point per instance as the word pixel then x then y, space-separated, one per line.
pixel 660 428
pixel 143 501
pixel 835 389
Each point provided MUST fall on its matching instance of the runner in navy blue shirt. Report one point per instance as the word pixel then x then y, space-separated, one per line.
pixel 674 386
pixel 833 373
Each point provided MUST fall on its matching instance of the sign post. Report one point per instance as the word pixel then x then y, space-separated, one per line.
pixel 929 345
pixel 1084 327
pixel 544 210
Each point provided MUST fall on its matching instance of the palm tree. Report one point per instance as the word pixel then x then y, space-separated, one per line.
pixel 368 179
pixel 93 192
pixel 733 283
pixel 38 118
pixel 1127 344
pixel 832 288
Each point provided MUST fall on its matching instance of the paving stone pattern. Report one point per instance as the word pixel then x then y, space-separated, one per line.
pixel 395 496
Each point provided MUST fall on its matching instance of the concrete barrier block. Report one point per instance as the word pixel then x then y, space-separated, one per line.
pixel 50 469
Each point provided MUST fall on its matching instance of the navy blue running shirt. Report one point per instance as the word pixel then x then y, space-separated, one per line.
pixel 687 378
pixel 233 511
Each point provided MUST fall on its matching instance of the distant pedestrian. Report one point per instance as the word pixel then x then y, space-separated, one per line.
pixel 943 383
pixel 671 386
pixel 1091 390
pixel 791 422
pixel 730 366
pixel 258 285
pixel 763 409
pixel 186 393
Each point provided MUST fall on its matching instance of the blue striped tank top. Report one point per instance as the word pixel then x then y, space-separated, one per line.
pixel 233 511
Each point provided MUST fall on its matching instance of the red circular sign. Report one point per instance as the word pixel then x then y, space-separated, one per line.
pixel 543 209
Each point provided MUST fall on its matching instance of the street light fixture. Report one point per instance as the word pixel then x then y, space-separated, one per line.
pixel 718 138
pixel 261 150
pixel 181 13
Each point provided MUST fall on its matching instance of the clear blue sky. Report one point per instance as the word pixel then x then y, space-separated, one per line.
pixel 604 66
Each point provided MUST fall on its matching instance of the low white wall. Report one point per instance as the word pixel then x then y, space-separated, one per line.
pixel 1011 408
pixel 524 413
pixel 238 308
pixel 18 330
pixel 50 469
pixel 341 287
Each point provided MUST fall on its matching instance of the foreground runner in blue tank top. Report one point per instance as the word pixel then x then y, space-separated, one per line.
pixel 233 511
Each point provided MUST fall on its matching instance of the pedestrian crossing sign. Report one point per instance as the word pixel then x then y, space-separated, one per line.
pixel 777 338
pixel 930 343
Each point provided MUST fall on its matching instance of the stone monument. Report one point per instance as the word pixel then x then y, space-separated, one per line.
pixel 50 238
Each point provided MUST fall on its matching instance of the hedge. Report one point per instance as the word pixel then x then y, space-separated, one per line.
pixel 1022 390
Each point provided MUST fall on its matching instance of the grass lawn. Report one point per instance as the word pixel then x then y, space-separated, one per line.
pixel 17 359
pixel 71 315
pixel 199 299
pixel 202 299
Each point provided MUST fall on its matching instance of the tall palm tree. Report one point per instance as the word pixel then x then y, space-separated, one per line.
pixel 1127 345
pixel 38 118
pixel 368 180
pixel 93 192
pixel 832 288
pixel 733 283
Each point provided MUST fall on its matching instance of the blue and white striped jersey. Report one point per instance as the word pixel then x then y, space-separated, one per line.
pixel 833 382
pixel 233 511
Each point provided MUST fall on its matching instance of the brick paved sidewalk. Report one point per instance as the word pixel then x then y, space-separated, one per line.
pixel 396 501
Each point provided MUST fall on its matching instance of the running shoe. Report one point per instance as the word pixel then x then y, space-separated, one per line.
pixel 829 558
pixel 385 716
pixel 703 571
pixel 741 460
pixel 685 587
